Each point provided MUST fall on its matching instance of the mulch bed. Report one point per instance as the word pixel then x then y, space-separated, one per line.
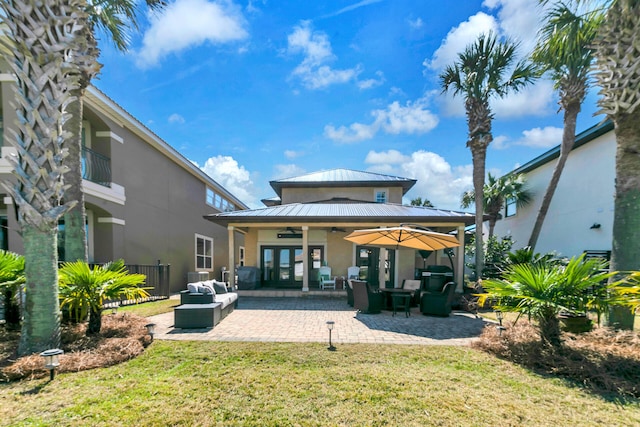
pixel 603 361
pixel 122 337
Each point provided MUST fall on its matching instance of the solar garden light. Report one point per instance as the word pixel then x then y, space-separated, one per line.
pixel 330 325
pixel 151 329
pixel 499 316
pixel 114 308
pixel 52 360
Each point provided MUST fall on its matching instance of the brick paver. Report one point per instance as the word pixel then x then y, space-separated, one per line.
pixel 304 320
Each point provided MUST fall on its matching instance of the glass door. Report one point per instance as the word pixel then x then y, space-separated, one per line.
pixel 282 267
pixel 368 259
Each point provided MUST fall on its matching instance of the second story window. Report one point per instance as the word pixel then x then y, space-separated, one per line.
pixel 210 196
pixel 381 196
pixel 510 208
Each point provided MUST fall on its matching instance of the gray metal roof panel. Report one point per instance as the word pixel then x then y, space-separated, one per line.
pixel 340 177
pixel 328 212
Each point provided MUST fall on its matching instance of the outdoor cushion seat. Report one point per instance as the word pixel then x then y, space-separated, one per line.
pixel 415 286
pixel 438 303
pixel 365 299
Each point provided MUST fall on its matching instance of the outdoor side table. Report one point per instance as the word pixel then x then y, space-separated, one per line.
pixel 401 301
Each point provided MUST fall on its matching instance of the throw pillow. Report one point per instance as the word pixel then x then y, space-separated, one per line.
pixel 192 287
pixel 220 287
pixel 206 288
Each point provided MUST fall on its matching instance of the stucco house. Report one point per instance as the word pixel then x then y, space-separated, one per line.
pixel 145 202
pixel 580 217
pixel 304 226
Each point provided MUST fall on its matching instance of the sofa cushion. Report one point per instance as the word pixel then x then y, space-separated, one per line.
pixel 220 287
pixel 206 288
pixel 227 299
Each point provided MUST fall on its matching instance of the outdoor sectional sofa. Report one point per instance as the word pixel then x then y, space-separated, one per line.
pixel 204 304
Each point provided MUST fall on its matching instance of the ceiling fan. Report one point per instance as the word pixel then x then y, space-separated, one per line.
pixel 336 229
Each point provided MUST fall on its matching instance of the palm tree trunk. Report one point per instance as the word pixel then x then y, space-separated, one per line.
pixel 41 325
pixel 75 236
pixel 95 321
pixel 479 155
pixel 568 141
pixel 626 219
pixel 550 329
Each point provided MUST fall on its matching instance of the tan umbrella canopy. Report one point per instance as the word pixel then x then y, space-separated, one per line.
pixel 403 236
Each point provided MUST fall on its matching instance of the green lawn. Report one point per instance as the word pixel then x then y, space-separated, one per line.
pixel 277 384
pixel 152 308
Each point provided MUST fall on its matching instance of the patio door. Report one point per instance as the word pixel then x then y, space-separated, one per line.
pixel 368 259
pixel 282 266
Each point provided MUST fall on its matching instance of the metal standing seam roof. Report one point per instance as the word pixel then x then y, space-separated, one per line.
pixel 332 212
pixel 342 177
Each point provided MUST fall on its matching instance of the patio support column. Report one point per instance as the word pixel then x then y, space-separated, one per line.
pixel 305 258
pixel 232 260
pixel 381 269
pixel 459 273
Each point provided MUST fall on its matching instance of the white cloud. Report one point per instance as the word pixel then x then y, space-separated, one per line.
pixel 546 137
pixel 459 38
pixel 438 182
pixel 518 19
pixel 313 71
pixel 226 171
pixel 411 118
pixel 188 23
pixel 535 100
pixel 416 23
pixel 371 83
pixel 287 171
pixel 291 154
pixel 176 118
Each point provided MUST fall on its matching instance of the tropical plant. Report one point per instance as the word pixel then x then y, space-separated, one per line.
pixel 543 291
pixel 618 74
pixel 526 255
pixel 565 51
pixel 496 256
pixel 11 279
pixel 113 18
pixel 35 42
pixel 495 193
pixel 478 74
pixel 419 202
pixel 83 290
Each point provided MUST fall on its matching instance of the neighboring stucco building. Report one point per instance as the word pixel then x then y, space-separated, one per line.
pixel 145 202
pixel 304 227
pixel 580 216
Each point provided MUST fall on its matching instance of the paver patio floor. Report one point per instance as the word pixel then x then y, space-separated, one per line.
pixel 304 320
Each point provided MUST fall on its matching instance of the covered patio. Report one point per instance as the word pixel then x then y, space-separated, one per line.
pixel 287 244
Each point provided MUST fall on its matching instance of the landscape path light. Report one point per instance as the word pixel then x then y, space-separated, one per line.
pixel 151 329
pixel 500 316
pixel 330 325
pixel 52 360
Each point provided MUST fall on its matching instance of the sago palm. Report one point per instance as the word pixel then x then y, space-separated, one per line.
pixel 36 44
pixel 565 52
pixel 543 290
pixel 495 193
pixel 11 278
pixel 487 68
pixel 83 290
pixel 618 75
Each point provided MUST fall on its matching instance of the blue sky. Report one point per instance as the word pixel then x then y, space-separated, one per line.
pixel 257 90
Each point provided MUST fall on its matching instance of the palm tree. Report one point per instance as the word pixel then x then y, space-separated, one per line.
pixel 419 202
pixel 617 63
pixel 544 290
pixel 478 74
pixel 565 51
pixel 84 290
pixel 112 17
pixel 495 193
pixel 36 42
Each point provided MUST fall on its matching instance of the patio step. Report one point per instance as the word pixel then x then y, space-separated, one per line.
pixel 291 293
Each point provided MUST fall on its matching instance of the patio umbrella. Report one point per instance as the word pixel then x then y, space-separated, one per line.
pixel 403 236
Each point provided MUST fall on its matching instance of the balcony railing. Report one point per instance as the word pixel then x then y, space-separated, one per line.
pixel 96 167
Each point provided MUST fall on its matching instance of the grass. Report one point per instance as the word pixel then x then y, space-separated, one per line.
pixel 501 381
pixel 152 308
pixel 279 384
